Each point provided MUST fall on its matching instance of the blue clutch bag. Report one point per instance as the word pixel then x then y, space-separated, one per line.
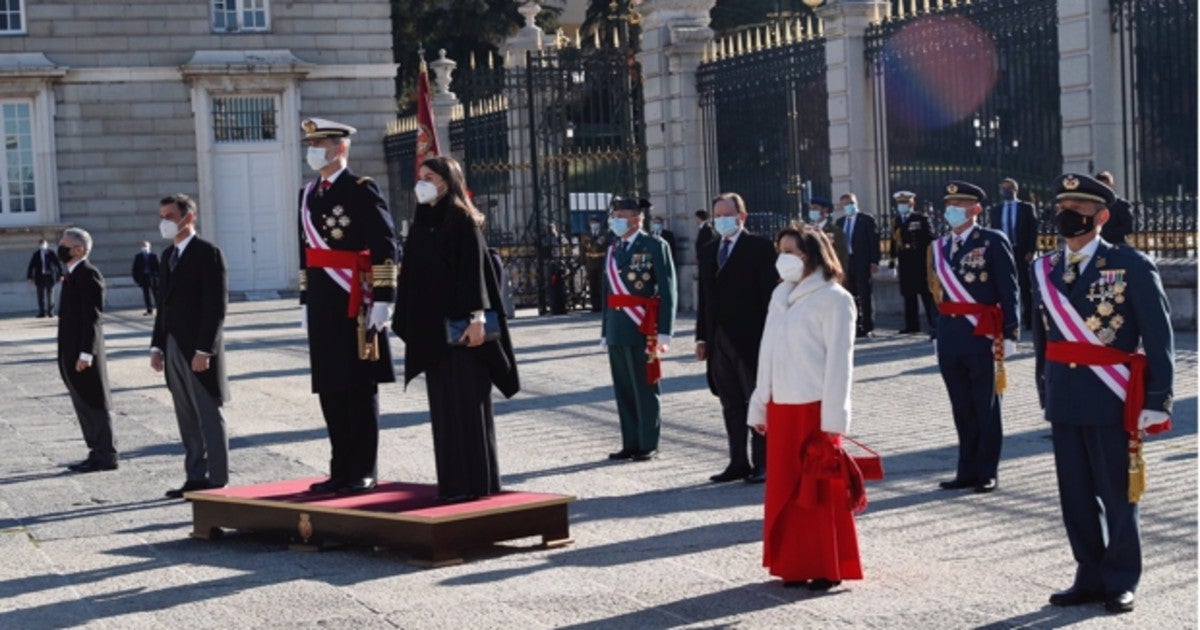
pixel 456 327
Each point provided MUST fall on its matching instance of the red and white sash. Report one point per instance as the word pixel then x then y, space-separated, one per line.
pixel 636 313
pixel 1073 328
pixel 954 288
pixel 343 277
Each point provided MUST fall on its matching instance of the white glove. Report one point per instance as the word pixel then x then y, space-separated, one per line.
pixel 1152 421
pixel 381 315
pixel 603 343
pixel 1010 347
pixel 304 317
pixel 664 344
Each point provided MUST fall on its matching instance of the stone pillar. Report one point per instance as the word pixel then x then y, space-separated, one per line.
pixel 1089 76
pixel 674 36
pixel 852 150
pixel 444 101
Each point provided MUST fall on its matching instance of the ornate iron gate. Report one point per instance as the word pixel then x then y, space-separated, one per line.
pixel 545 146
pixel 766 125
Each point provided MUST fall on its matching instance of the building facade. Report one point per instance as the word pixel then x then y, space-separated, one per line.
pixel 106 107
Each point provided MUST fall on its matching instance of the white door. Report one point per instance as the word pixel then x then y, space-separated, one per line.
pixel 250 205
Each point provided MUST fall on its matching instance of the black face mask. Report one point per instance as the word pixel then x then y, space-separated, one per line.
pixel 64 253
pixel 1072 224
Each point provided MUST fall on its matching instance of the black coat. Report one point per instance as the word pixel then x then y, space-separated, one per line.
pixel 1026 229
pixel 863 244
pixel 54 268
pixel 1120 223
pixel 448 274
pixel 138 271
pixel 734 299
pixel 351 216
pixel 704 236
pixel 191 309
pixel 911 237
pixel 80 329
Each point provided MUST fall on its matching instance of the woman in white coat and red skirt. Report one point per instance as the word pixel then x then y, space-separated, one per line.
pixel 802 399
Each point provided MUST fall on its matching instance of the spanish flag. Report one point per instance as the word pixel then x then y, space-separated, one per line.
pixel 427 143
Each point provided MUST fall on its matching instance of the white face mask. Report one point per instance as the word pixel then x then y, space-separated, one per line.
pixel 902 208
pixel 168 228
pixel 316 158
pixel 146 249
pixel 619 225
pixel 790 267
pixel 656 228
pixel 815 215
pixel 426 192
pixel 725 226
pixel 595 228
pixel 43 246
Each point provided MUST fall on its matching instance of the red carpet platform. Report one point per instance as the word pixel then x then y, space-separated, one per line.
pixel 396 515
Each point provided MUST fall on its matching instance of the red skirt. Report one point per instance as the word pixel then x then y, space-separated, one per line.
pixel 804 540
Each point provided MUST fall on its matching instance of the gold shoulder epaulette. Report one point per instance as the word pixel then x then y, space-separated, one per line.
pixel 362 179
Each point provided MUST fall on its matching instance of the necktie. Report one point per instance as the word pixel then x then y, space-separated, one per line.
pixel 45 270
pixel 1009 220
pixel 1072 273
pixel 325 184
pixel 723 253
pixel 174 258
pixel 849 235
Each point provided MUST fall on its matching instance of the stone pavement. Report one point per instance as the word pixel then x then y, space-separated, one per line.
pixel 655 544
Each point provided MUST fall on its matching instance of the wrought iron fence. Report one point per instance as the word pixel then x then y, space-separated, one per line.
pixel 765 120
pixel 545 147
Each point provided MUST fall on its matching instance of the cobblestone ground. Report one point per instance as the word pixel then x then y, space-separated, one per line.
pixel 655 544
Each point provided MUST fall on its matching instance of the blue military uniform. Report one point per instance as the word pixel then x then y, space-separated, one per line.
pixel 981 263
pixel 1118 303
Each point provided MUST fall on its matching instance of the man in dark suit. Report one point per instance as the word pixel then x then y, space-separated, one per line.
pixel 1018 221
pixel 43 272
pixel 862 241
pixel 1104 369
pixel 81 357
pixel 346 227
pixel 657 228
pixel 704 231
pixel 1120 214
pixel 594 245
pixel 819 209
pixel 912 232
pixel 188 343
pixel 737 277
pixel 974 281
pixel 145 274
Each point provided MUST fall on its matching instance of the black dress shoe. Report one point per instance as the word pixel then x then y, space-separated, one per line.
pixel 1118 603
pixel 864 335
pixel 758 475
pixel 328 486
pixel 645 456
pixel 357 486
pixel 458 498
pixel 729 474
pixel 910 331
pixel 188 486
pixel 986 486
pixel 957 484
pixel 821 584
pixel 90 466
pixel 625 453
pixel 1075 597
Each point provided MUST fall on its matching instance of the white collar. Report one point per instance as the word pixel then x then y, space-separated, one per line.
pixel 626 242
pixel 182 245
pixel 1088 250
pixel 814 281
pixel 962 238
pixel 75 263
pixel 336 174
pixel 733 239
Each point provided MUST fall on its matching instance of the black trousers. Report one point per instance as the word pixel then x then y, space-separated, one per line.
pixel 149 292
pixel 45 295
pixel 352 418
pixel 970 381
pixel 1023 290
pixel 734 378
pixel 861 287
pixel 911 319
pixel 464 431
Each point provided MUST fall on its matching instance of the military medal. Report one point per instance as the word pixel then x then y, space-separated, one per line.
pixel 639 285
pixel 330 221
pixel 343 221
pixel 1069 276
pixel 1116 322
pixel 1106 336
pixel 1104 309
pixel 336 233
pixel 970 277
pixel 631 276
pixel 646 276
pixel 338 210
pixel 1093 323
pixel 983 276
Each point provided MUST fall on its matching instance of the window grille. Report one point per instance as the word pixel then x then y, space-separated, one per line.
pixel 244 119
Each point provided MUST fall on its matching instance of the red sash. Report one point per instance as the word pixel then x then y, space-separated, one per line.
pixel 358 263
pixel 991 318
pixel 648 326
pixel 1090 354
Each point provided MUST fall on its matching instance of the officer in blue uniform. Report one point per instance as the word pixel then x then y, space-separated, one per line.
pixel 974 281
pixel 1094 303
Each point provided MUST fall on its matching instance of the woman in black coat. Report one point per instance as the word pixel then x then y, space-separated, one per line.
pixel 447 275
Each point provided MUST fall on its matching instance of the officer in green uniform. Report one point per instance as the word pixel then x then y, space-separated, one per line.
pixel 639 290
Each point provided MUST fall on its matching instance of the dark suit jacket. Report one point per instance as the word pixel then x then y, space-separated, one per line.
pixel 1074 394
pixel 138 271
pixel 863 243
pixel 53 267
pixel 734 299
pixel 80 329
pixel 191 308
pixel 1026 228
pixel 704 236
pixel 1120 223
pixel 911 237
